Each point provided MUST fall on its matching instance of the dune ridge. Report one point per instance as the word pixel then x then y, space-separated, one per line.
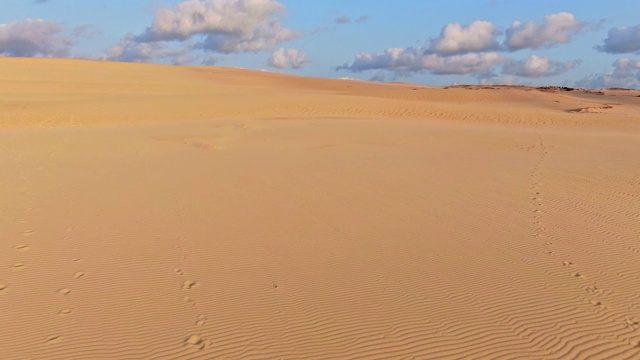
pixel 162 212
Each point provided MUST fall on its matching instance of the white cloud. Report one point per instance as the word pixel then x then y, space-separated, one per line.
pixel 34 37
pixel 292 58
pixel 455 38
pixel 415 59
pixel 227 26
pixel 536 66
pixel 622 40
pixel 474 49
pixel 500 80
pixel 131 51
pixel 379 76
pixel 626 73
pixel 556 28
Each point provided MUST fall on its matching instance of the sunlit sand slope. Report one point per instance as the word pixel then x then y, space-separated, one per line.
pixel 156 212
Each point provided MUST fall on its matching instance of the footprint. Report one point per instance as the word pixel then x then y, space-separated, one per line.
pixel 75 259
pixel 188 284
pixel 53 339
pixel 178 271
pixel 26 233
pixel 17 266
pixel 632 324
pixel 64 312
pixel 201 320
pixel 64 291
pixel 3 287
pixel 79 274
pixel 567 263
pixel 577 275
pixel 21 247
pixel 188 300
pixel 195 341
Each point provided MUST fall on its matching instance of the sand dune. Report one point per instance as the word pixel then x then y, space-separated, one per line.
pixel 158 212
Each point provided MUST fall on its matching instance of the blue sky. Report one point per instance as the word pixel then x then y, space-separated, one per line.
pixel 585 43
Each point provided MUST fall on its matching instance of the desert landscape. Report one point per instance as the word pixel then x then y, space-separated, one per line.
pixel 176 212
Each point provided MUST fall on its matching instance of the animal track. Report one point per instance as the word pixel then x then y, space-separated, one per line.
pixel 195 341
pixel 188 300
pixel 188 284
pixel 577 275
pixel 537 200
pixel 64 291
pixel 17 266
pixel 79 274
pixel 53 339
pixel 632 324
pixel 21 247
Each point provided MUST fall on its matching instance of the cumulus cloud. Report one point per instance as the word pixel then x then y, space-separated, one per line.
pixel 499 80
pixel 622 40
pixel 555 29
pixel 379 76
pixel 536 66
pixel 415 59
pixel 34 37
pixel 626 73
pixel 226 26
pixel 130 50
pixel 474 49
pixel 288 58
pixel 456 39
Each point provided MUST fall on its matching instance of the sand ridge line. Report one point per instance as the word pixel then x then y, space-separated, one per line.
pixel 177 94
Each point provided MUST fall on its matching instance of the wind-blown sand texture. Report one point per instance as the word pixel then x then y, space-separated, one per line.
pixel 159 212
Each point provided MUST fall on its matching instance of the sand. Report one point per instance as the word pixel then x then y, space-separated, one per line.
pixel 159 212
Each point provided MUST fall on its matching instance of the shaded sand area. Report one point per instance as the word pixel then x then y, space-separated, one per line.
pixel 155 212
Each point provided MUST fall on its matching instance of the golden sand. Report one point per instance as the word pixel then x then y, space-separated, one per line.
pixel 162 212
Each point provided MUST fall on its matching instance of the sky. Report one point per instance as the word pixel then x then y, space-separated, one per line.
pixel 576 43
